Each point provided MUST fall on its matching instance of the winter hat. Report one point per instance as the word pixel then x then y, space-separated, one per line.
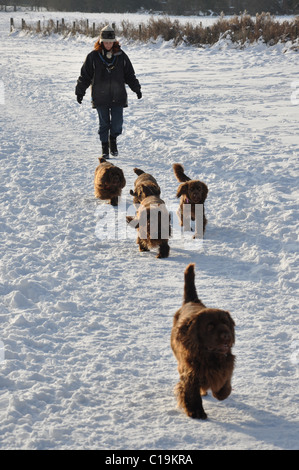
pixel 107 34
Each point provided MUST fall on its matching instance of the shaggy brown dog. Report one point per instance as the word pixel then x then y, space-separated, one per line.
pixel 109 181
pixel 152 222
pixel 145 185
pixel 192 193
pixel 201 340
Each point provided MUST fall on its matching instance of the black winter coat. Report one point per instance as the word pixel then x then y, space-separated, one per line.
pixel 107 87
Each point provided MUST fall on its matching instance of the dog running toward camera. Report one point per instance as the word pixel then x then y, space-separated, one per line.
pixel 201 340
pixel 109 181
pixel 192 194
pixel 152 222
pixel 145 185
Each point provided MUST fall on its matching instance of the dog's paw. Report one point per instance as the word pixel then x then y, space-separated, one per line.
pixel 223 393
pixel 198 414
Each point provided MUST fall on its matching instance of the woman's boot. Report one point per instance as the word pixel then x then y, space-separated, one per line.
pixel 105 150
pixel 113 146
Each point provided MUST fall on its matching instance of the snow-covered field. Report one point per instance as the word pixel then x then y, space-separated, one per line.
pixel 85 357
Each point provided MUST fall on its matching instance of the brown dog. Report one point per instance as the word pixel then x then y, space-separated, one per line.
pixel 152 222
pixel 109 181
pixel 145 185
pixel 201 340
pixel 192 193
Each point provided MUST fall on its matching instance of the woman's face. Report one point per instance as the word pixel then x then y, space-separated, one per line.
pixel 108 45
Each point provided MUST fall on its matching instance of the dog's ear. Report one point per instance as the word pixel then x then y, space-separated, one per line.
pixel 102 160
pixel 185 327
pixel 189 336
pixel 122 178
pixel 182 189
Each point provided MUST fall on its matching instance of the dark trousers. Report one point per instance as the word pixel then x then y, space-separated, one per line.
pixel 111 120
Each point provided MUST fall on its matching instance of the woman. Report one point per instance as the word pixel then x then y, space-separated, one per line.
pixel 108 69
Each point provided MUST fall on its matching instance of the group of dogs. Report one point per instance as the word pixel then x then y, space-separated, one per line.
pixel 152 219
pixel 201 337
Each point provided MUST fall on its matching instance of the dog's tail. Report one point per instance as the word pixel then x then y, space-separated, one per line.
pixel 190 294
pixel 179 173
pixel 138 171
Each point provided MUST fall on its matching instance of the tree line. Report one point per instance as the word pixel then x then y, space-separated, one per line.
pixel 171 7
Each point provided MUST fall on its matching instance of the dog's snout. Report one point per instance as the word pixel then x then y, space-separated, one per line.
pixel 225 336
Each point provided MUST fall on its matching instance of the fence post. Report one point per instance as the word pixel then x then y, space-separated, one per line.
pixel 57 26
pixel 11 25
pixel 23 23
pixel 93 30
pixel 140 32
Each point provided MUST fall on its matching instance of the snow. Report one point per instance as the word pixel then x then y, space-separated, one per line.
pixel 85 357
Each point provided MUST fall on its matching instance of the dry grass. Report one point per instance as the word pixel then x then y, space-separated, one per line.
pixel 240 29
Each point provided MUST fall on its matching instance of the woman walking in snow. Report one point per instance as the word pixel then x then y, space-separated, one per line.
pixel 108 69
